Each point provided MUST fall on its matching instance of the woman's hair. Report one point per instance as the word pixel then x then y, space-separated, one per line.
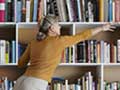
pixel 44 25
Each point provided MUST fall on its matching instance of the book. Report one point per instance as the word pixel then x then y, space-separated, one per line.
pixel 2 10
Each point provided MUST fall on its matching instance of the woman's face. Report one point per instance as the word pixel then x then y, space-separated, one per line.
pixel 54 30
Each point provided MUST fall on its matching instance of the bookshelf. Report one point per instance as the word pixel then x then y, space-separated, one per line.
pixel 21 32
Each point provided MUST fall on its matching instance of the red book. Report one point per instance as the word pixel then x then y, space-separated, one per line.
pixel 2 10
pixel 117 10
pixel 111 52
pixel 40 10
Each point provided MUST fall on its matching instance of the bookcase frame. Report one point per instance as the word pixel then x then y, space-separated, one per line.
pixel 13 72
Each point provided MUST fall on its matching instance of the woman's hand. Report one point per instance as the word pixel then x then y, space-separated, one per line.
pixel 108 27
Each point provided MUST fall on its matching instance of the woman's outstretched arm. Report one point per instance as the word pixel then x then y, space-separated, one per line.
pixel 86 34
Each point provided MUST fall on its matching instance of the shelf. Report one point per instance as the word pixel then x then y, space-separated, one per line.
pixel 79 64
pixel 111 64
pixel 7 23
pixel 9 64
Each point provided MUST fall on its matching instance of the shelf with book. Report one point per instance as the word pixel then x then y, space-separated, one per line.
pixel 72 74
pixel 111 77
pixel 7 11
pixel 80 64
pixel 7 44
pixel 24 25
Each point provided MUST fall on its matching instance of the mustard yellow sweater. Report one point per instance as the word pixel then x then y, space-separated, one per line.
pixel 44 56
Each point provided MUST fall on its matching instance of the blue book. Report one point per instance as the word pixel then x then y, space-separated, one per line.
pixel 35 10
pixel 110 10
pixel 19 50
pixel 13 51
pixel 18 12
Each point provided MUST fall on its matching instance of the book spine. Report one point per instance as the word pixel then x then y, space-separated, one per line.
pixel 63 10
pixel 90 12
pixel 113 13
pixel 79 10
pixel 31 10
pixel 102 51
pixel 28 11
pixel 2 10
pixel 9 2
pixel 117 10
pixel 101 10
pixel 40 9
pixel 110 10
pixel 35 10
pixel 2 51
pixel 7 52
pixel 68 2
pixel 19 9
pixel 106 10
pixel 23 10
pixel 118 50
pixel 13 52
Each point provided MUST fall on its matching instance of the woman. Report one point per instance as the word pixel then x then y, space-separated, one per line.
pixel 44 53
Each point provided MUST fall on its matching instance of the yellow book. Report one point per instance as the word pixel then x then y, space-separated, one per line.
pixel 7 52
pixel 31 10
pixel 101 10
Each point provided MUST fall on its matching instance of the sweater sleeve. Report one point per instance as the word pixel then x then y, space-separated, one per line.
pixel 67 41
pixel 24 59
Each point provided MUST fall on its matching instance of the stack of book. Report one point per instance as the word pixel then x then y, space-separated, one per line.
pixel 84 10
pixel 7 51
pixel 6 84
pixel 7 11
pixel 29 10
pixel 112 85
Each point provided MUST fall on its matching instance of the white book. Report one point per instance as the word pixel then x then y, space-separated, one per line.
pixel 118 50
pixel 115 54
pixel 68 2
pixel 90 11
pixel 113 11
pixel 105 52
pixel 28 11
pixel 2 51
pixel 79 10
pixel 58 86
pixel 66 85
pixel 6 83
pixel 45 7
pixel 63 10
pixel 59 10
pixel 108 53
pixel 86 83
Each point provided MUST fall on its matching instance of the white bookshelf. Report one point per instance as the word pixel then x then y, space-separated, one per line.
pixel 104 70
pixel 24 31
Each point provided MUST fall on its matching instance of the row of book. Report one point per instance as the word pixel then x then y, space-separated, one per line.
pixel 92 51
pixel 84 10
pixel 6 84
pixel 112 85
pixel 28 10
pixel 86 82
pixel 89 51
pixel 66 10
pixel 67 55
pixel 7 11
pixel 7 51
